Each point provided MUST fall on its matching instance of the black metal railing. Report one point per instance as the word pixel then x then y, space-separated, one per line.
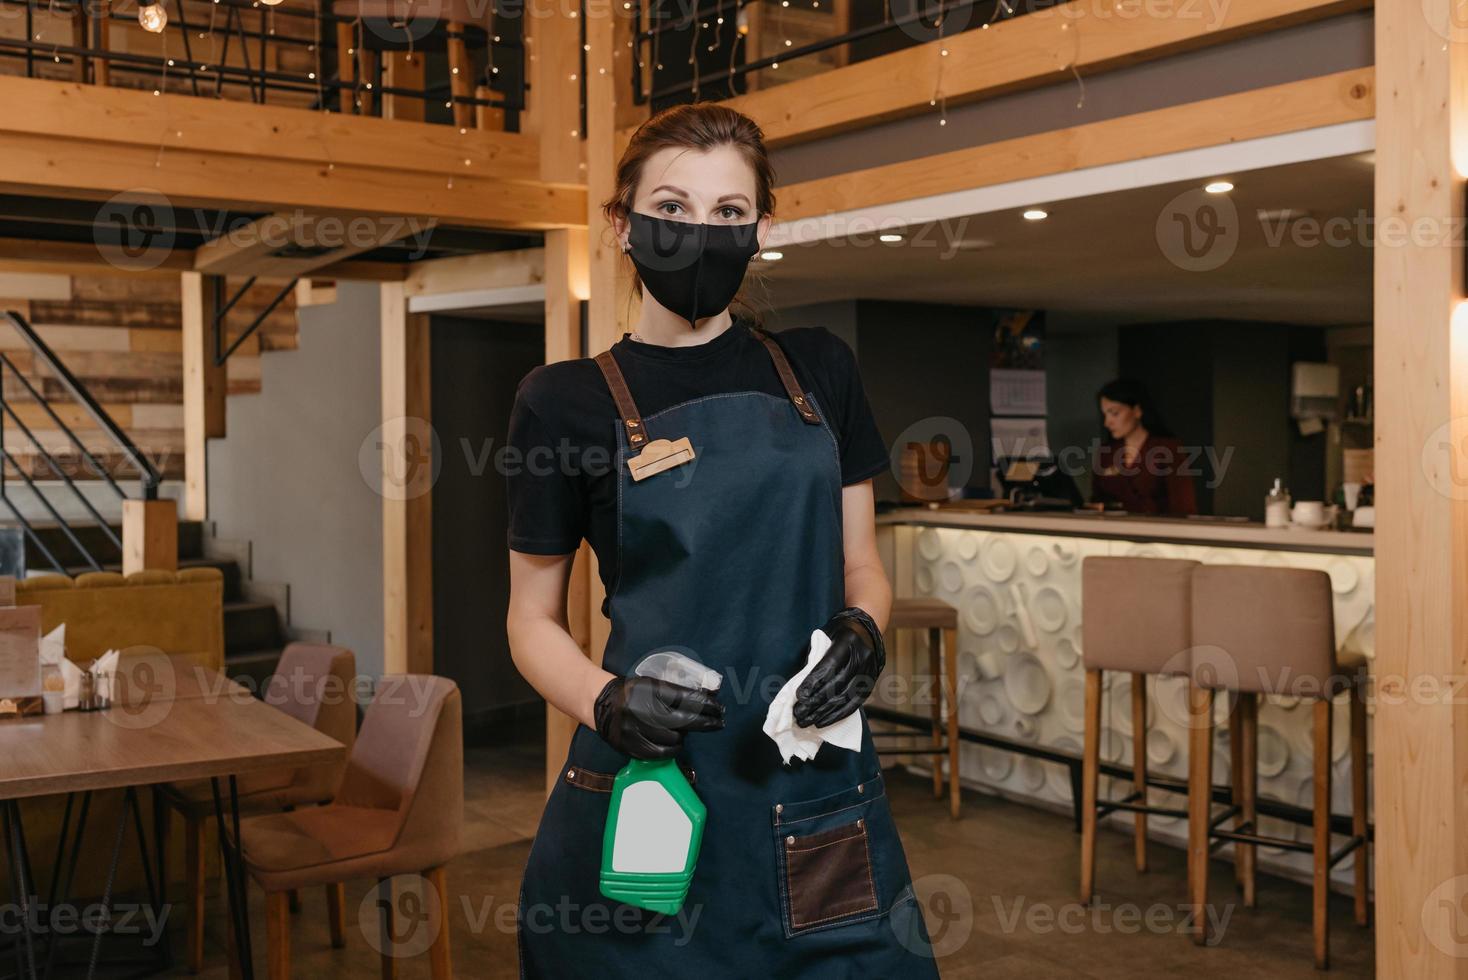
pixel 147 473
pixel 685 52
pixel 244 38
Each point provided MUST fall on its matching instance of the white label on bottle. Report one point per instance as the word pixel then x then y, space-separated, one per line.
pixel 653 832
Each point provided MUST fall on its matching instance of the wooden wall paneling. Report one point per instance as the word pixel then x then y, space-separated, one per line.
pixel 1421 378
pixel 203 390
pixel 407 486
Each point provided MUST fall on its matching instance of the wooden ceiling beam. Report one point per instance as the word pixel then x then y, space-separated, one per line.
pixel 1342 97
pixel 1036 49
pixel 86 141
pixel 256 248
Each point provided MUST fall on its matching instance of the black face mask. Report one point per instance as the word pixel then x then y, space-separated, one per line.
pixel 692 269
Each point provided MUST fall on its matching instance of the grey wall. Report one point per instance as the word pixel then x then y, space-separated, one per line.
pixel 286 476
pixel 1080 357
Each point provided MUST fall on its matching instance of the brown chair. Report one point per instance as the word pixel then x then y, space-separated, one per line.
pixel 941 622
pixel 400 810
pixel 313 684
pixel 1136 618
pixel 1260 631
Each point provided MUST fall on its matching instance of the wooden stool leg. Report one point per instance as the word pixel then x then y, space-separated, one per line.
pixel 194 851
pixel 935 653
pixel 278 934
pixel 1358 802
pixel 1200 795
pixel 440 960
pixel 1321 850
pixel 1139 764
pixel 1247 782
pixel 950 698
pixel 336 914
pixel 232 952
pixel 1236 769
pixel 387 929
pixel 1090 769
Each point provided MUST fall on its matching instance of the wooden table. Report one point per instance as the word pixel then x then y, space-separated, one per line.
pixel 169 722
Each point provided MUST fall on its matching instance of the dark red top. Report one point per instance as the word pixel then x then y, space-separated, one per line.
pixel 1151 483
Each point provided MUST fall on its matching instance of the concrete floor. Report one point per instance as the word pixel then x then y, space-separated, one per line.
pixel 999 886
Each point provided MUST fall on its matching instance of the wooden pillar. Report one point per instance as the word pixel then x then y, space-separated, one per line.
pixel 610 110
pixel 1421 378
pixel 408 470
pixel 553 104
pixel 347 60
pixel 403 70
pixel 149 535
pixel 203 389
pixel 461 75
pixel 565 288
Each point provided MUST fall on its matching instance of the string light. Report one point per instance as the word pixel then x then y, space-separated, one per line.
pixel 152 17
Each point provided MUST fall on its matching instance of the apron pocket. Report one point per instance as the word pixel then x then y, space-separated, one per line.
pixel 828 876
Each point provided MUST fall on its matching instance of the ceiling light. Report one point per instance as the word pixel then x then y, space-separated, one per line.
pixel 152 17
pixel 772 256
pixel 889 237
pixel 1035 214
pixel 1218 187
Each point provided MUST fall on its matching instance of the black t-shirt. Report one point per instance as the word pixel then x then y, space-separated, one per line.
pixel 563 427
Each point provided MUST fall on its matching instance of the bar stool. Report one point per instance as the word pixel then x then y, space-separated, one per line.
pixel 940 619
pixel 1258 631
pixel 1136 618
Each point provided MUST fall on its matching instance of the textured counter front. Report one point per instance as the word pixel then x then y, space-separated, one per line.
pixel 1016 581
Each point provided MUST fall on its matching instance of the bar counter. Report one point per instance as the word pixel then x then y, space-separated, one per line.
pixel 1015 579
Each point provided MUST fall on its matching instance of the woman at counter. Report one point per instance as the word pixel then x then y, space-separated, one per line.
pixel 1141 468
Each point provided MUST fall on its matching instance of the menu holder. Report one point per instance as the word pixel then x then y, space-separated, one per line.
pixel 20 660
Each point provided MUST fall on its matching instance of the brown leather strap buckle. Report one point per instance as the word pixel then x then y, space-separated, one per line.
pixel 787 378
pixel 622 395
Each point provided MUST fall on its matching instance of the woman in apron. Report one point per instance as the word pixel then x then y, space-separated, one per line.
pixel 731 547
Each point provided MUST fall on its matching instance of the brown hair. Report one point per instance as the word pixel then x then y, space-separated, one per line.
pixel 699 126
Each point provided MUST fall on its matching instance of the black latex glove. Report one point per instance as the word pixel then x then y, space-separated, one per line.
pixel 844 677
pixel 646 717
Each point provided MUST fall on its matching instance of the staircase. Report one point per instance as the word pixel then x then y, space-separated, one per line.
pixel 256 615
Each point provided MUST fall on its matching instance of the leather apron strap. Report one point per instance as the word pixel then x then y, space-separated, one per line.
pixel 632 418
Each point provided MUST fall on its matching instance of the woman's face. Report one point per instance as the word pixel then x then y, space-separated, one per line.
pixel 712 187
pixel 1120 418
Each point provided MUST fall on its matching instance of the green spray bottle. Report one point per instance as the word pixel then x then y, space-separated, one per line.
pixel 655 820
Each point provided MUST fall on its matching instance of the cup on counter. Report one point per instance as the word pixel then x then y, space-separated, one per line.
pixel 1309 513
pixel 53 702
pixel 1352 493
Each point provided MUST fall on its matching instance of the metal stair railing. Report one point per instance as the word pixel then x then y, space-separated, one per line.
pixel 147 473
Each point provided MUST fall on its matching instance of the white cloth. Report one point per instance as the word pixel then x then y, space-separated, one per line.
pixel 794 740
pixel 53 651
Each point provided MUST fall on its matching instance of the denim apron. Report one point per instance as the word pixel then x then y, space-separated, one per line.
pixel 733 557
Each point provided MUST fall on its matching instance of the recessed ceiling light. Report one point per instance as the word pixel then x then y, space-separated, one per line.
pixel 1035 214
pixel 1218 187
pixel 973 244
pixel 889 237
pixel 771 256
pixel 1281 214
